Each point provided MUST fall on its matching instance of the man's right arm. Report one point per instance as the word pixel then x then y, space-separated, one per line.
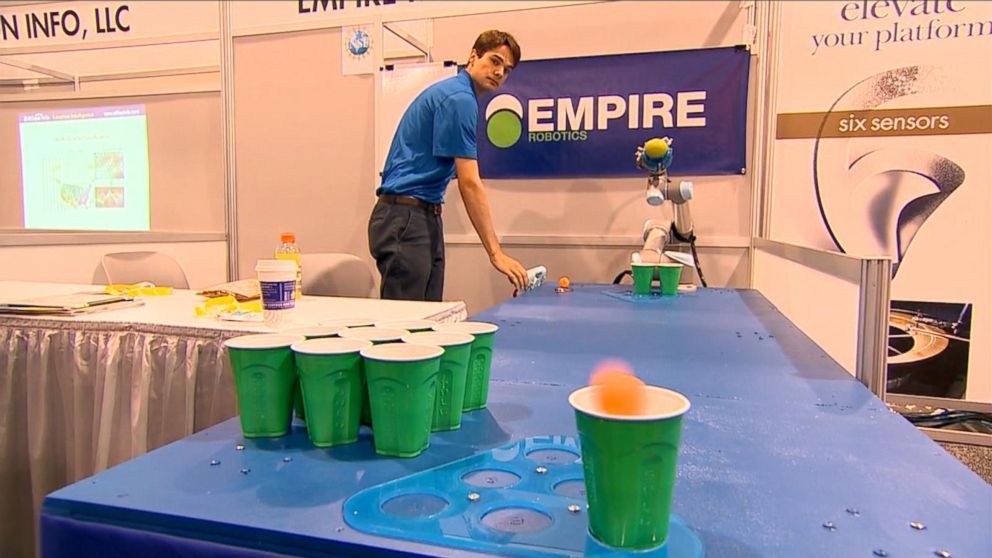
pixel 477 205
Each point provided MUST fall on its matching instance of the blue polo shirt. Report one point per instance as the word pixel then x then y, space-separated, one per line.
pixel 437 127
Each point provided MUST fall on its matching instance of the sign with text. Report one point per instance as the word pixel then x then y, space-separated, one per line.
pixel 86 23
pixel 883 135
pixel 250 17
pixel 44 24
pixel 581 117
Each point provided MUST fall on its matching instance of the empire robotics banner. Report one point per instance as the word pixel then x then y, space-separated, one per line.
pixel 584 117
pixel 883 143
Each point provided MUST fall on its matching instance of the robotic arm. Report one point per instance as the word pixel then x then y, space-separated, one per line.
pixel 655 156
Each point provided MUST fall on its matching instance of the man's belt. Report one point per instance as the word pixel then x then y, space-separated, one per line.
pixel 412 202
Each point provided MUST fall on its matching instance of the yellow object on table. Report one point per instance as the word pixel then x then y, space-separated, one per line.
pixel 226 305
pixel 141 289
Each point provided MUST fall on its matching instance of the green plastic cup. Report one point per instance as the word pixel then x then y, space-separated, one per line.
pixel 643 276
pixel 314 332
pixel 409 325
pixel 330 371
pixel 377 335
pixel 450 377
pixel 264 375
pixel 629 466
pixel 669 275
pixel 357 321
pixel 480 361
pixel 402 380
pixel 310 332
pixel 298 409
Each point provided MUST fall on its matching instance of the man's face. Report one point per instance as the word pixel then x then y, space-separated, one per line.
pixel 490 70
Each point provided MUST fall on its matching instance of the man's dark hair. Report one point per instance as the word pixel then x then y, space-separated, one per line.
pixel 493 39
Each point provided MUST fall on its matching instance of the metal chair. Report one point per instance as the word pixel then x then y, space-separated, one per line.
pixel 337 274
pixel 128 268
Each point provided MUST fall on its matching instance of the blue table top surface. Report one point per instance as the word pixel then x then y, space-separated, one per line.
pixel 779 442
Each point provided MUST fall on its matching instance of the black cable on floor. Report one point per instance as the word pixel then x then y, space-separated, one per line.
pixel 948 417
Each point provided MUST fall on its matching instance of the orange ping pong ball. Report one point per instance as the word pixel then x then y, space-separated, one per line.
pixel 620 390
pixel 564 282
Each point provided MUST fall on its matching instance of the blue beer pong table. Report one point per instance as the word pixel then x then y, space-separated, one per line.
pixel 783 454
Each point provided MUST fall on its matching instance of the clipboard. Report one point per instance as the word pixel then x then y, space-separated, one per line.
pixel 67 304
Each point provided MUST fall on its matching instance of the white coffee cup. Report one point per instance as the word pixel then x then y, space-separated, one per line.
pixel 277 281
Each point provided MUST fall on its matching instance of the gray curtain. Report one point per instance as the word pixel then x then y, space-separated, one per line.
pixel 78 397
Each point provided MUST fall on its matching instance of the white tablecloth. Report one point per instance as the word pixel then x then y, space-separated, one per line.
pixel 82 393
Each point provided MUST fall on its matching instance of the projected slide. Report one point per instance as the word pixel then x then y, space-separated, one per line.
pixel 85 168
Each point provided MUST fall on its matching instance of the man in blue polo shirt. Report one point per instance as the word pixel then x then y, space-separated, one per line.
pixel 435 141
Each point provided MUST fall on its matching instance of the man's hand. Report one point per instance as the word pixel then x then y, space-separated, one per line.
pixel 511 268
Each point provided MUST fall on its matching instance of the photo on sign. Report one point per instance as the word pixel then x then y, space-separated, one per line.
pixel 928 348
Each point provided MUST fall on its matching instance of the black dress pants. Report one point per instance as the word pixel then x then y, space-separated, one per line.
pixel 407 243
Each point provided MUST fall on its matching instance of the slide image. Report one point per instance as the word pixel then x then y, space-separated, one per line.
pixel 86 169
pixel 109 196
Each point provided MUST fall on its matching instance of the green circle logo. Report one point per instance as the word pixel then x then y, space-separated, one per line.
pixel 504 128
pixel 504 121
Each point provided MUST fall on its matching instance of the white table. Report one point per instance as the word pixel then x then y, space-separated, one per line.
pixel 82 393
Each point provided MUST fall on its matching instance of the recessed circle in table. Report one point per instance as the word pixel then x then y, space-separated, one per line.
pixel 572 488
pixel 553 456
pixel 516 520
pixel 491 478
pixel 412 506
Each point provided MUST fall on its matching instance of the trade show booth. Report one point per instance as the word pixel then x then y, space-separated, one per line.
pixel 824 180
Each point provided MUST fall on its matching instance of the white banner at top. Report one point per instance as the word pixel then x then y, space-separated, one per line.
pixel 56 24
pixel 61 25
pixel 250 18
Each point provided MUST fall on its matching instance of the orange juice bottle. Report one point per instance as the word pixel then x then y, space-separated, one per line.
pixel 288 250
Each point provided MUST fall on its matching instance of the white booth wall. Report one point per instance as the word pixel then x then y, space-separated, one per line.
pixel 304 146
pixel 305 153
pixel 168 61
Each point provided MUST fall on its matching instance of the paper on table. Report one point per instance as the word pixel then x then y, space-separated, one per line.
pixel 73 303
